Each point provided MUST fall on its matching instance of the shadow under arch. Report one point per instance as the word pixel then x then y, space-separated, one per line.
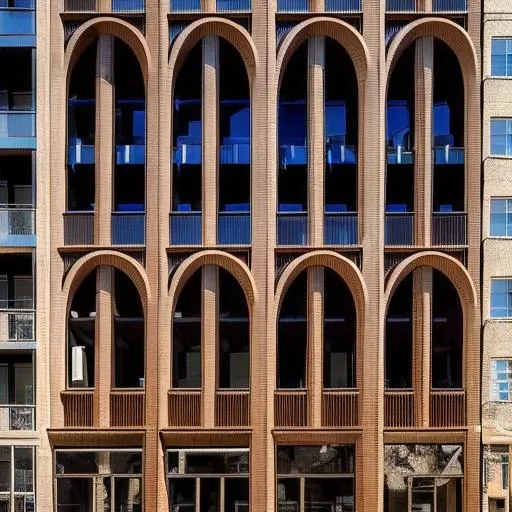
pixel 341 32
pixel 116 27
pixel 448 266
pixel 239 270
pixel 232 32
pixel 132 268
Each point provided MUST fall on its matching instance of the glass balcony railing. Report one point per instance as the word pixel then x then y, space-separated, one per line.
pixel 337 153
pixel 79 228
pixel 340 228
pixel 449 228
pixel 400 156
pixel 79 153
pixel 293 5
pixel 448 155
pixel 185 228
pixel 118 6
pixel 399 229
pixel 292 228
pixel 234 228
pixel 128 228
pixel 17 129
pixel 343 5
pixel 449 5
pixel 16 324
pixel 401 6
pixel 17 226
pixel 233 5
pixel 17 417
pixel 18 18
pixel 185 5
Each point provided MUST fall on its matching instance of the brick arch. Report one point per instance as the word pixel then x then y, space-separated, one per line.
pixel 227 29
pixel 343 33
pixel 86 264
pixel 448 266
pixel 239 270
pixel 104 25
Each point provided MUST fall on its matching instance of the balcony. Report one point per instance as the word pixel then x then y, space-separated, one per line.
pixel 127 408
pixel 399 229
pixel 79 228
pixel 17 226
pixel 129 154
pixel 234 228
pixel 340 408
pixel 233 5
pixel 185 6
pixel 234 153
pixel 449 6
pixel 293 154
pixel 448 155
pixel 128 6
pixel 128 228
pixel 292 5
pixel 78 407
pixel 399 155
pixel 18 19
pixel 399 408
pixel 290 408
pixel 184 408
pixel 130 132
pixel 337 153
pixel 17 130
pixel 79 153
pixel 343 5
pixel 17 417
pixel 16 325
pixel 232 408
pixel 340 228
pixel 447 408
pixel 401 6
pixel 185 228
pixel 292 228
pixel 449 229
pixel 81 5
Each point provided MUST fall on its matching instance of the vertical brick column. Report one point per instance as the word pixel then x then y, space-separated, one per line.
pixel 315 345
pixel 422 334
pixel 103 346
pixel 316 144
pixel 210 136
pixel 209 343
pixel 104 139
pixel 423 71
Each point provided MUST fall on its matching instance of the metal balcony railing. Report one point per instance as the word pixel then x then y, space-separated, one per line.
pixel 234 228
pixel 399 408
pixel 16 325
pixel 449 228
pixel 185 228
pixel 128 228
pixel 17 226
pixel 18 18
pixel 292 5
pixel 17 417
pixel 81 5
pixel 290 408
pixel 233 5
pixel 448 155
pixel 232 408
pixel 401 6
pixel 340 228
pixel 292 228
pixel 78 228
pixel 184 408
pixel 399 229
pixel 340 408
pixel 343 5
pixel 185 5
pixel 127 407
pixel 77 408
pixel 449 5
pixel 128 6
pixel 447 408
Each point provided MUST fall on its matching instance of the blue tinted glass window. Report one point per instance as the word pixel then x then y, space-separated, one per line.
pixel 501 217
pixel 501 137
pixel 501 298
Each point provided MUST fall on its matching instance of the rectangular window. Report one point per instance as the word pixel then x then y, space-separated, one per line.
pixel 501 137
pixel 501 217
pixel 501 56
pixel 17 478
pixel 501 378
pixel 504 471
pixel 501 298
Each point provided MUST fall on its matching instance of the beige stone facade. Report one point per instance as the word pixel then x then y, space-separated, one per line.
pixel 106 272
